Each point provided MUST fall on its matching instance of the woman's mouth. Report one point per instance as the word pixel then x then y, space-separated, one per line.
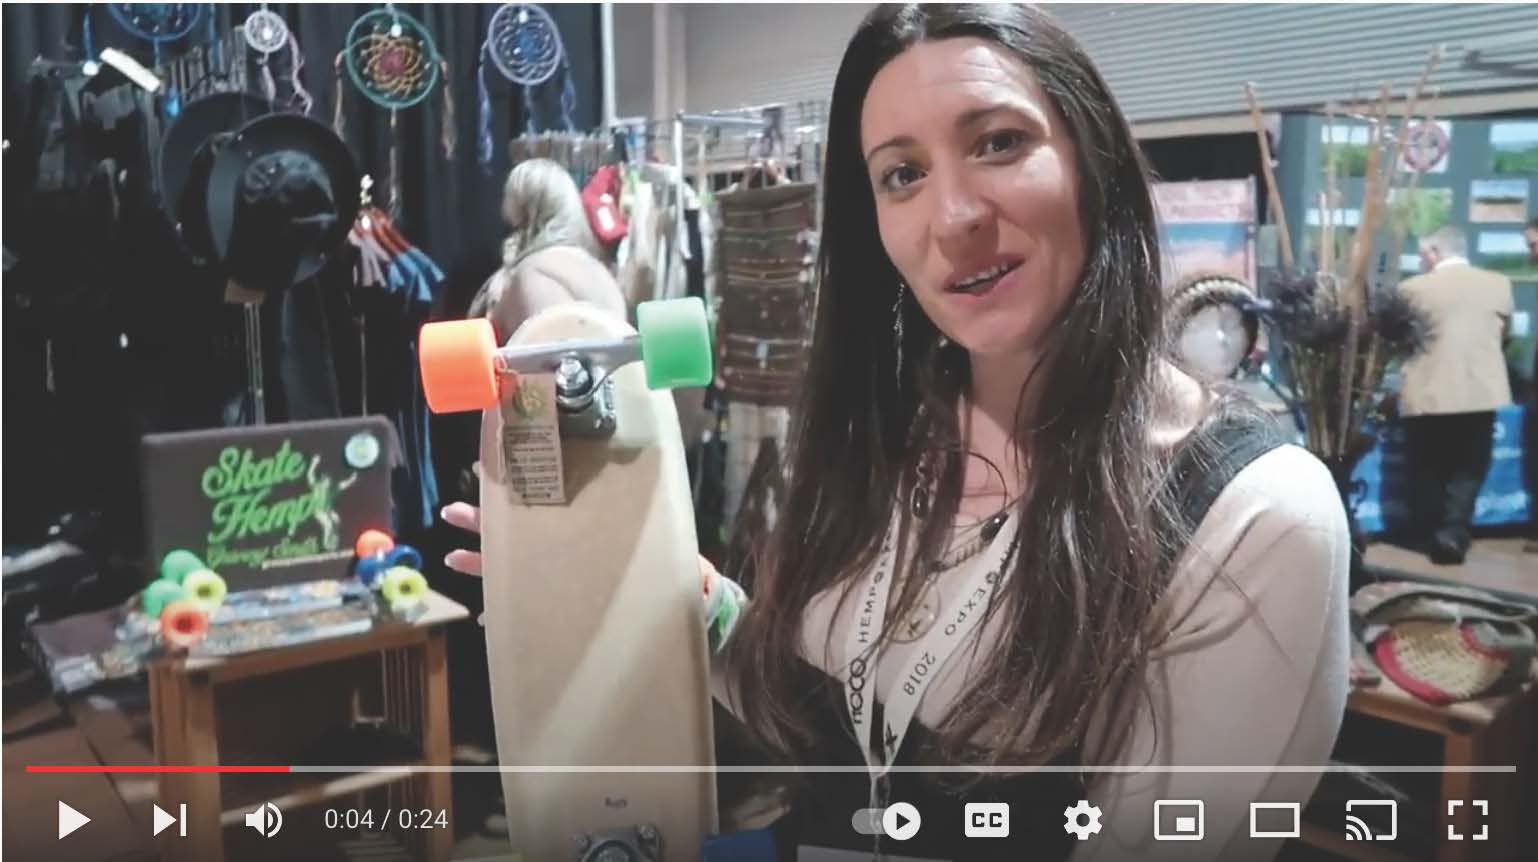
pixel 981 282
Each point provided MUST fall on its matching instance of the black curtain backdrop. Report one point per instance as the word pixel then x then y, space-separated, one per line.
pixel 449 206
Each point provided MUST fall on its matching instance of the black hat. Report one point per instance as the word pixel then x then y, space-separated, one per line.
pixel 187 153
pixel 282 195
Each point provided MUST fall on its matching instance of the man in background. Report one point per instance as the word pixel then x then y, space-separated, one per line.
pixel 1530 425
pixel 1451 391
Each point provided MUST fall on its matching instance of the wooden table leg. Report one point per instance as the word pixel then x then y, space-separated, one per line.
pixel 203 789
pixel 437 790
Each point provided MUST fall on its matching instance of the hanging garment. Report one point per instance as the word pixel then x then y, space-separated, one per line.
pixel 394 285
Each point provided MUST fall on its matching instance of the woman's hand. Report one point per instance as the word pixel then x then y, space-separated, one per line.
pixel 465 517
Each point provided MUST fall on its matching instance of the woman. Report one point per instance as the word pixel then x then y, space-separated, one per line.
pixel 1105 565
pixel 550 257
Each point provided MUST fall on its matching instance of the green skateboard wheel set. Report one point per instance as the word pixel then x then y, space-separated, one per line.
pixel 183 577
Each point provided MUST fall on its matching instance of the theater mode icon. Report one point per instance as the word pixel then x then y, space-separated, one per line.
pixel 1276 820
pixel 987 820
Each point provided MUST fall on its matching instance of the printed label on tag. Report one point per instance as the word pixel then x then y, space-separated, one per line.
pixel 605 218
pixel 531 442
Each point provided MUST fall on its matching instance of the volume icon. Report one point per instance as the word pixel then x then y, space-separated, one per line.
pixel 266 820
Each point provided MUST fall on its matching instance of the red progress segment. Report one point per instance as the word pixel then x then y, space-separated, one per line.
pixel 157 769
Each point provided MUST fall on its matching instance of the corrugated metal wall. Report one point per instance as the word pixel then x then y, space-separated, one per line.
pixel 1173 61
pixel 1164 61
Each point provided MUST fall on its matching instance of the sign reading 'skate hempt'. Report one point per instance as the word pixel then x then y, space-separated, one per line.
pixel 275 504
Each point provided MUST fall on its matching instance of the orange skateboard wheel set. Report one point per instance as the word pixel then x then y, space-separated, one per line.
pixel 458 363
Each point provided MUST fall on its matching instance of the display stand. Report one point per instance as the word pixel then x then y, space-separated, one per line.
pixel 211 710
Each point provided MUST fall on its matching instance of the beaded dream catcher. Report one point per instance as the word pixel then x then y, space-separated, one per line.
pixel 267 33
pixel 391 58
pixel 523 43
pixel 158 24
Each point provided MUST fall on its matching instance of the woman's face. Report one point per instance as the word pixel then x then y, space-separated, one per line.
pixel 976 191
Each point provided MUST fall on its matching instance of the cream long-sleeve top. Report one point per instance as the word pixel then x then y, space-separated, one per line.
pixel 1254 672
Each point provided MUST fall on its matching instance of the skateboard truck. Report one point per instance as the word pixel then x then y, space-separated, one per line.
pixel 463 367
pixel 635 844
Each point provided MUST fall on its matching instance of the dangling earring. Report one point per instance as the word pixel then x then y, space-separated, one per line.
pixel 897 329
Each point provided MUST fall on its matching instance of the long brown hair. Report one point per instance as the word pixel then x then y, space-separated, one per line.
pixel 1099 527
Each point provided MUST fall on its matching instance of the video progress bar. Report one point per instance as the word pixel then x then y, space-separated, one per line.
pixel 584 769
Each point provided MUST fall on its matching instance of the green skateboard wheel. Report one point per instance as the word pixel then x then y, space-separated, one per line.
pixel 675 343
pixel 205 587
pixel 159 594
pixel 178 564
pixel 403 587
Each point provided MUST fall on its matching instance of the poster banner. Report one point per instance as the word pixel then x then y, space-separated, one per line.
pixel 1383 479
pixel 1207 226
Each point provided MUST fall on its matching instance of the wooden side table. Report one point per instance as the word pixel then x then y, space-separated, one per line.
pixel 1493 731
pixel 267 707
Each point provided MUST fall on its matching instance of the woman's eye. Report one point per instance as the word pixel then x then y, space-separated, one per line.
pixel 996 143
pixel 900 177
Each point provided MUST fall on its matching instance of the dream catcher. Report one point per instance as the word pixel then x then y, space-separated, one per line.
pixel 523 43
pixel 267 33
pixel 158 24
pixel 391 58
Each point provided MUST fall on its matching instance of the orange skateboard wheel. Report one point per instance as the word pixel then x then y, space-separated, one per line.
pixel 371 542
pixel 183 623
pixel 458 363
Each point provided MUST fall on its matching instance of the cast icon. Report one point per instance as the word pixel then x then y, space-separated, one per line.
pixel 1357 829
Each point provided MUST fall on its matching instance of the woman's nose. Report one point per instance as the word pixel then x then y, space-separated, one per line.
pixel 962 212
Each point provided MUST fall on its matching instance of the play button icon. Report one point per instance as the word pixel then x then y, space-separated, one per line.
pixel 900 821
pixel 70 820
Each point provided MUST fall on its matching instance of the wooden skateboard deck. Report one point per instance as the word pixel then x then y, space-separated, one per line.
pixel 593 623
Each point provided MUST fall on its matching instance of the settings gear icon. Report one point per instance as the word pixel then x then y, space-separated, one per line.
pixel 1082 819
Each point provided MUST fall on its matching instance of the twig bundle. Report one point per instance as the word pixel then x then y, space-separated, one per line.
pixel 1340 330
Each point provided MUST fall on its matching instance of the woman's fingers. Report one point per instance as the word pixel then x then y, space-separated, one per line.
pixel 463 515
pixel 464 562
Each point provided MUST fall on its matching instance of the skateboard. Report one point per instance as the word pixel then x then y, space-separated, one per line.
pixel 594 632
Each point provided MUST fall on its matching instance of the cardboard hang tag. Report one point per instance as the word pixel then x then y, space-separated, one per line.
pixel 531 442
